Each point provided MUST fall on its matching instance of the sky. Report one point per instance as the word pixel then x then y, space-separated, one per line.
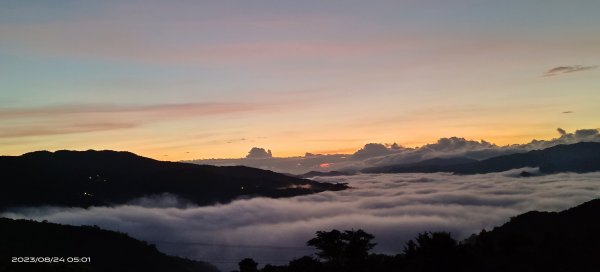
pixel 180 80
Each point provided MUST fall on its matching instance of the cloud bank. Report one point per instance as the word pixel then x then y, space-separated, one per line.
pixel 377 154
pixel 259 153
pixel 394 207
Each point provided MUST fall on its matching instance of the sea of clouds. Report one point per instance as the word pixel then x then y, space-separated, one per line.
pixel 393 207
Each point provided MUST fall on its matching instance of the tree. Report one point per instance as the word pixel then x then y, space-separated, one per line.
pixel 433 251
pixel 305 264
pixel 330 244
pixel 343 250
pixel 358 244
pixel 248 265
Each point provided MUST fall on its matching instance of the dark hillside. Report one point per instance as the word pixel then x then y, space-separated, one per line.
pixel 87 178
pixel 107 250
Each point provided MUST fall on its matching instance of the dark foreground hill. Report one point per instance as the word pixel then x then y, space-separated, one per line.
pixel 100 250
pixel 86 178
pixel 541 241
pixel 531 242
pixel 579 158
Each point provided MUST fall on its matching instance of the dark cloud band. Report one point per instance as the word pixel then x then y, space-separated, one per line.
pixel 567 69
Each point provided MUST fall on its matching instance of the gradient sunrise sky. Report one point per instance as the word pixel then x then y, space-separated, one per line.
pixel 211 79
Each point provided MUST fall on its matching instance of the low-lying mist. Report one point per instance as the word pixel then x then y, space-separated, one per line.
pixel 393 207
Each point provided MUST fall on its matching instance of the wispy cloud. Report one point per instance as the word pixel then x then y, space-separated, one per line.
pixel 40 130
pixel 559 70
pixel 80 118
pixel 184 109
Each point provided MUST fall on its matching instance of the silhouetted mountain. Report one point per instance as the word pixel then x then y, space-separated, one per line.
pixel 424 166
pixel 579 157
pixel 313 174
pixel 107 250
pixel 86 178
pixel 541 241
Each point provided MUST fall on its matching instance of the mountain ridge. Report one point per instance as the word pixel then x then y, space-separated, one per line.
pixel 104 178
pixel 580 158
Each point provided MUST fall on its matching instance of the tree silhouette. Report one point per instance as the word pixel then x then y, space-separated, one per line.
pixel 432 251
pixel 343 250
pixel 248 265
pixel 305 264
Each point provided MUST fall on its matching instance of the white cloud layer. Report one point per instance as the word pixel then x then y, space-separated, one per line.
pixel 394 207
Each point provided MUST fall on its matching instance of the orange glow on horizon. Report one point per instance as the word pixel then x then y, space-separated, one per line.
pixel 237 153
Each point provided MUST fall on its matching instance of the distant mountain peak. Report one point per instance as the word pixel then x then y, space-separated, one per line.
pixel 579 157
